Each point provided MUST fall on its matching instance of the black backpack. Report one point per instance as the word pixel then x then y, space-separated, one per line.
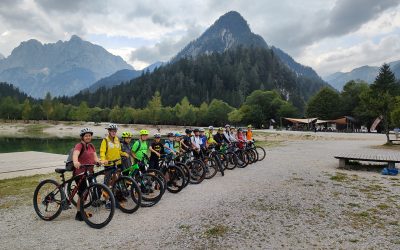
pixel 69 164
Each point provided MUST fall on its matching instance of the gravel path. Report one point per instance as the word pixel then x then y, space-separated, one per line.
pixel 295 199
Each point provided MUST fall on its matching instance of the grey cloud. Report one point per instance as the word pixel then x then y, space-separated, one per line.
pixel 1 56
pixel 15 17
pixel 345 17
pixel 162 20
pixel 166 49
pixel 73 6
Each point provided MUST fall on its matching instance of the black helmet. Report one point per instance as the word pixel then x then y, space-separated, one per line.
pixel 170 134
pixel 196 130
pixel 188 131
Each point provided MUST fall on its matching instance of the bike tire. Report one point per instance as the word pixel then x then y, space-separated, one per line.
pixel 232 160
pixel 260 152
pixel 99 195
pixel 37 199
pixel 127 194
pixel 197 171
pixel 176 174
pixel 211 168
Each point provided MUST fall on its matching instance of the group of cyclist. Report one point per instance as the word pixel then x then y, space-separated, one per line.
pixel 125 154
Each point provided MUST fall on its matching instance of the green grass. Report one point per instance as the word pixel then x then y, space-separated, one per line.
pixel 339 177
pixel 35 130
pixel 383 206
pixel 19 191
pixel 216 231
pixel 269 144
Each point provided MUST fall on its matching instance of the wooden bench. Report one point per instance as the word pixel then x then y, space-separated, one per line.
pixel 390 159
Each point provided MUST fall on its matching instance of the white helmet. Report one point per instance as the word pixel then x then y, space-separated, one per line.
pixel 227 126
pixel 112 126
pixel 85 131
pixel 211 128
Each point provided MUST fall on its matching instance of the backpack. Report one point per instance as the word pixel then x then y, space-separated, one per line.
pixel 69 164
pixel 138 148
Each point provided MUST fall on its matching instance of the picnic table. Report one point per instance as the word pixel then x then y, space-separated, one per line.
pixel 396 137
pixel 390 159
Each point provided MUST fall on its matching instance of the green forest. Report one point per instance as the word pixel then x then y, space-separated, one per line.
pixel 230 76
pixel 358 99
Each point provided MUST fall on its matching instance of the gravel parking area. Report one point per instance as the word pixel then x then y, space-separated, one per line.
pixel 295 199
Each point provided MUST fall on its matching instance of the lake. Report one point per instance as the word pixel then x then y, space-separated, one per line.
pixel 49 145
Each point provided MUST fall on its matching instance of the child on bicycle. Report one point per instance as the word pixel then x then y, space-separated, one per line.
pixel 127 148
pixel 140 148
pixel 110 150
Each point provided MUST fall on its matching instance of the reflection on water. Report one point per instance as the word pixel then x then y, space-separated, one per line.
pixel 50 145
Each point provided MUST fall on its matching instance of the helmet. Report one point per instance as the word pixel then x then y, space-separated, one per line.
pixel 85 131
pixel 211 128
pixel 170 134
pixel 249 126
pixel 196 130
pixel 126 134
pixel 177 134
pixel 220 129
pixel 144 132
pixel 112 126
pixel 157 135
pixel 240 130
pixel 201 129
pixel 188 131
pixel 227 126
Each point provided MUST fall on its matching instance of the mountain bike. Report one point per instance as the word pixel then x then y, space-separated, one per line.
pixel 50 199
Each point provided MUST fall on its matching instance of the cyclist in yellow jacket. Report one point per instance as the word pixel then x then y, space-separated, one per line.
pixel 110 150
pixel 210 136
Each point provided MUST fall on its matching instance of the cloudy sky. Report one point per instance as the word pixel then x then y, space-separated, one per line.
pixel 329 35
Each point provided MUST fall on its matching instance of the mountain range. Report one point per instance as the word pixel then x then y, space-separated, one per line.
pixel 65 68
pixel 226 62
pixel 61 68
pixel 121 76
pixel 230 31
pixel 364 73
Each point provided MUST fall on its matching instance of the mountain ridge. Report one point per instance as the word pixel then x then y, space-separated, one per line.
pixel 34 67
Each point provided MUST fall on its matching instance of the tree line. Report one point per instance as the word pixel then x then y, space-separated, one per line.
pixel 258 108
pixel 362 101
pixel 229 76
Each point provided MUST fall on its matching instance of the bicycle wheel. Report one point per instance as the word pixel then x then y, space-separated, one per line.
pixel 252 154
pixel 243 159
pixel 127 194
pixel 47 200
pixel 159 175
pixel 210 167
pixel 219 164
pixel 232 160
pixel 186 171
pixel 152 189
pixel 70 187
pixel 176 180
pixel 197 171
pixel 260 152
pixel 102 205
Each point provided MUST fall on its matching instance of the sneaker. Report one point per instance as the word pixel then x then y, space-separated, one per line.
pixel 108 205
pixel 78 216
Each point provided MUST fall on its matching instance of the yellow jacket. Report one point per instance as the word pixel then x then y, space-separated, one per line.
pixel 210 138
pixel 111 150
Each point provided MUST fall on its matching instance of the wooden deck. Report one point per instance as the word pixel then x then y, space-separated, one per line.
pixel 391 159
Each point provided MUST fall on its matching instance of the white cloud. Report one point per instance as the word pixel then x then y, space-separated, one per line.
pixel 317 33
pixel 365 53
